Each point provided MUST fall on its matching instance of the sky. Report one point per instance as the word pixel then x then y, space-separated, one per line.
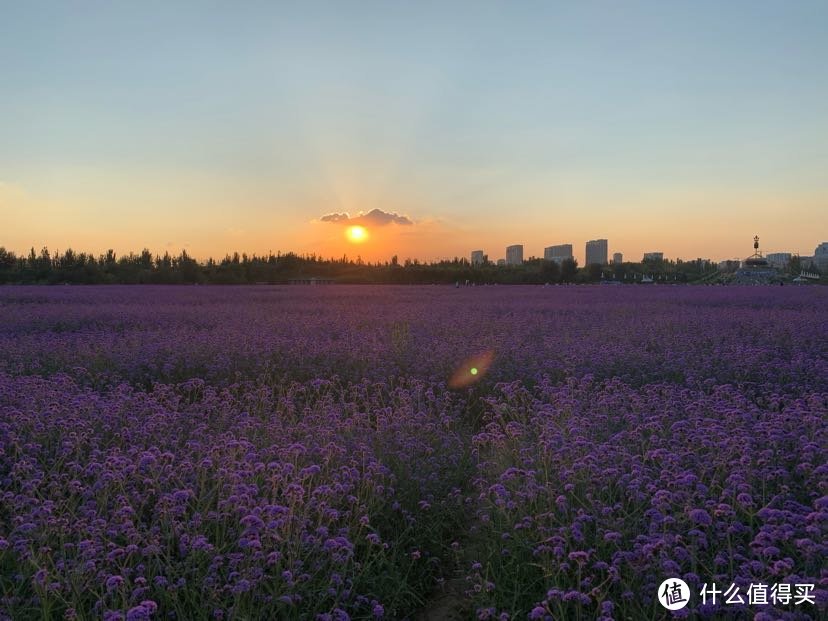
pixel 442 127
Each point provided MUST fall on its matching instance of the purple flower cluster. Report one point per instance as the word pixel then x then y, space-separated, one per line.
pixel 607 489
pixel 289 452
pixel 685 335
pixel 281 498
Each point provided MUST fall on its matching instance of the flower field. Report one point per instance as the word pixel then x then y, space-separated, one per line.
pixel 300 453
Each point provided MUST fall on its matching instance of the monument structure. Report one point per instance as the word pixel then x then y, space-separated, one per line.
pixel 756 269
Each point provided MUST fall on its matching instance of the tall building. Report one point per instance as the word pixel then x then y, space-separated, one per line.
pixel 477 257
pixel 596 251
pixel 653 256
pixel 617 258
pixel 514 254
pixel 821 256
pixel 558 254
pixel 779 260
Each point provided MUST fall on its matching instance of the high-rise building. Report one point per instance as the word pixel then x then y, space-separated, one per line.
pixel 779 260
pixel 617 258
pixel 558 254
pixel 596 251
pixel 477 257
pixel 514 254
pixel 653 256
pixel 821 257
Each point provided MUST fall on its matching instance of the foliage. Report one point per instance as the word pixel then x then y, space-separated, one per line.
pixel 145 268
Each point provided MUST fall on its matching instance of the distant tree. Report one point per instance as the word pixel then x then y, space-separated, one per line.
pixel 188 267
pixel 594 272
pixel 41 265
pixel 7 259
pixel 550 271
pixel 795 265
pixel 569 269
pixel 8 265
pixel 146 259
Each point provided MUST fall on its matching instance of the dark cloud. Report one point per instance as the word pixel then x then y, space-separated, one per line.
pixel 375 217
pixel 335 217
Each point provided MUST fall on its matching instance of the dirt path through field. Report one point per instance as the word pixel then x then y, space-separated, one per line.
pixel 449 603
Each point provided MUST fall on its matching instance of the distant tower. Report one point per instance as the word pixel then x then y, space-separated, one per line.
pixel 756 260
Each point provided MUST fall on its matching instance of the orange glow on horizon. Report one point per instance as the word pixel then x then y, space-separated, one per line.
pixel 41 217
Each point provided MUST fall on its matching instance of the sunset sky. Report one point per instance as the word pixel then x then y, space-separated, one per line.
pixel 682 127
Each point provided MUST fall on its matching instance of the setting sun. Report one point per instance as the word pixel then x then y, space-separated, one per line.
pixel 356 234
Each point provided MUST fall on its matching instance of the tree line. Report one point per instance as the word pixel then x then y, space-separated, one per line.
pixel 73 267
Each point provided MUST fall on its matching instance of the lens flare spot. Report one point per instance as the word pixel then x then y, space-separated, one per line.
pixel 472 370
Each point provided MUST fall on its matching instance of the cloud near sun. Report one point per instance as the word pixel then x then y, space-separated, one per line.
pixel 375 217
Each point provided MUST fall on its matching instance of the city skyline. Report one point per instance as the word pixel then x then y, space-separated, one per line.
pixel 562 251
pixel 437 129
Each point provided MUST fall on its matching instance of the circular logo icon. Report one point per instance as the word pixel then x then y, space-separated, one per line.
pixel 674 594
